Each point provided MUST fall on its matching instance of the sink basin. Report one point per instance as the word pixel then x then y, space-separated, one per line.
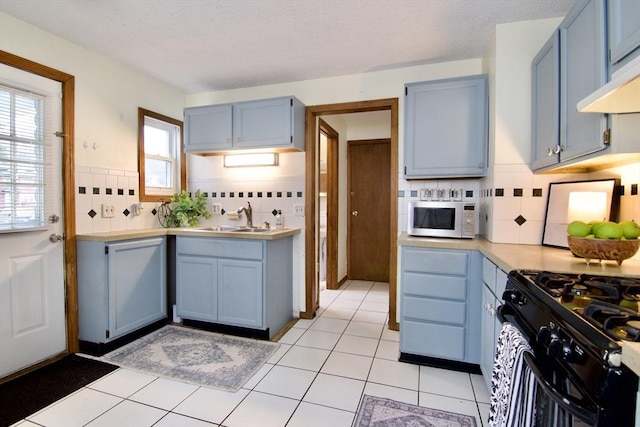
pixel 251 230
pixel 222 228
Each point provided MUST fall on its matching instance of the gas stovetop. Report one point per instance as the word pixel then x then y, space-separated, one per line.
pixel 608 303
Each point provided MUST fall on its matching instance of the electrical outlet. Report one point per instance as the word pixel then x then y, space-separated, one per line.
pixel 216 209
pixel 298 210
pixel 108 211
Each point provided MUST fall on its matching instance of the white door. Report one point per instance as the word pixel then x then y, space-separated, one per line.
pixel 32 294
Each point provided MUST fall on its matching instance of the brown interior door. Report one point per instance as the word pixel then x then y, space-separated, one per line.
pixel 369 210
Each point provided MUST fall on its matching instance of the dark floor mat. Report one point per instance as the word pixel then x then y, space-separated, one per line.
pixel 29 393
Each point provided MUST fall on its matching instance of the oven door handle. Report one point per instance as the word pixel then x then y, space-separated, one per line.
pixel 575 409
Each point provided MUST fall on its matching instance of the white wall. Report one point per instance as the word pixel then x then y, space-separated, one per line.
pixel 107 97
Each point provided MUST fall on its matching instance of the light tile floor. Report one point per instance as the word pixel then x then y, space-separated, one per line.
pixel 316 378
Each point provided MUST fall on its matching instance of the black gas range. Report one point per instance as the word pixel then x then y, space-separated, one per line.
pixel 575 324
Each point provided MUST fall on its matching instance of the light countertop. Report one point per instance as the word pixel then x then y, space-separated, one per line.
pixel 112 236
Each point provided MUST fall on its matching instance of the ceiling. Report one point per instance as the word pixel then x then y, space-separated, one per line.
pixel 211 45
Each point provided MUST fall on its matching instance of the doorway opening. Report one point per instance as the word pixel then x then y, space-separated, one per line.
pixel 328 139
pixel 314 114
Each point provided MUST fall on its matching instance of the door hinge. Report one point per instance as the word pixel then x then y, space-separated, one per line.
pixel 106 249
pixel 405 170
pixel 291 102
pixel 291 139
pixel 59 134
pixel 406 91
pixel 606 137
pixel 106 333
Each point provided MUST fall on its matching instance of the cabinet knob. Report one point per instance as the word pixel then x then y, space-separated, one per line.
pixel 549 151
pixel 480 165
pixel 557 149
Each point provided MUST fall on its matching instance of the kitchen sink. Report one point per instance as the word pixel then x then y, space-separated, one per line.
pixel 222 228
pixel 251 230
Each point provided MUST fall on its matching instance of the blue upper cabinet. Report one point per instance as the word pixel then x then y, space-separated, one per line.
pixel 446 128
pixel 570 66
pixel 276 123
pixel 624 29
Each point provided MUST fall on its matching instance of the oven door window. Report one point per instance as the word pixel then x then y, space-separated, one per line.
pixel 434 218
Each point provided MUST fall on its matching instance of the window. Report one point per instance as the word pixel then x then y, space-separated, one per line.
pixel 161 162
pixel 23 160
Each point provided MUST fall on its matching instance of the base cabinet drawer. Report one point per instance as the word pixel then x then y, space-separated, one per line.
pixel 428 339
pixel 434 310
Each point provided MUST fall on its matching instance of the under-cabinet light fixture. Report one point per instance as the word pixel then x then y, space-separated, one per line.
pixel 253 159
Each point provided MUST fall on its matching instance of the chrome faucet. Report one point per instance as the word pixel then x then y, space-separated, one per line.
pixel 247 212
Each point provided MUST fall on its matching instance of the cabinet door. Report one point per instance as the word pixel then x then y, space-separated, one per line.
pixel 446 124
pixel 240 292
pixel 545 120
pixel 137 284
pixel 196 287
pixel 624 28
pixel 583 69
pixel 208 128
pixel 262 124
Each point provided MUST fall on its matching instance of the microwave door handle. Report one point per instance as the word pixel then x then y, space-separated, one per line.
pixel 566 402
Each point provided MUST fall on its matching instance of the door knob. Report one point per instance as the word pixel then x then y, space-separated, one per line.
pixel 354 213
pixel 55 238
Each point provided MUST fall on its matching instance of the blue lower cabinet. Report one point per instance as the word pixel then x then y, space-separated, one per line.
pixel 438 304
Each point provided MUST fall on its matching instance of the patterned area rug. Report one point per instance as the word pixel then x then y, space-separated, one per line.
pixel 380 412
pixel 198 357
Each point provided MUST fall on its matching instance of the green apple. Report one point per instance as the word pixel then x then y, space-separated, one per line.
pixel 578 229
pixel 630 229
pixel 609 230
pixel 594 225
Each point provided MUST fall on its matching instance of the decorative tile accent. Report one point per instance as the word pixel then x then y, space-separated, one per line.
pixel 214 194
pixel 269 194
pixel 537 192
pixel 92 213
pixel 289 194
pixel 491 192
pixel 499 192
pixel 400 193
pixel 205 194
pixel 241 194
pixel 620 190
pixel 154 211
pixel 259 193
pixel 634 189
pixel 468 193
pixel 414 193
pixel 279 194
pixel 250 194
pixel 126 212
pixel 299 193
pixel 222 194
pixel 82 190
pixel 222 212
pixel 520 220
pixel 96 190
pixel 274 212
pixel 232 194
pixel 517 192
pixel 109 191
pixel 120 192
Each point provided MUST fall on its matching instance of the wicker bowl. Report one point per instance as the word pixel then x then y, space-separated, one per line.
pixel 603 249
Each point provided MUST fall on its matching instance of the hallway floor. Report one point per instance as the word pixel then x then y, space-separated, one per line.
pixel 316 378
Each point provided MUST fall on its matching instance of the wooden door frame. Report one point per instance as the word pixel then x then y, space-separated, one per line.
pixel 68 184
pixel 332 202
pixel 349 145
pixel 312 113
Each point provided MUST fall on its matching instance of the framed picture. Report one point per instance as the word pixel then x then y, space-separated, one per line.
pixel 595 200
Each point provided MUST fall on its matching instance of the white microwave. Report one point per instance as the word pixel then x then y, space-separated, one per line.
pixel 442 219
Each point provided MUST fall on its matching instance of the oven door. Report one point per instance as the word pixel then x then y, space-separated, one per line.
pixel 559 400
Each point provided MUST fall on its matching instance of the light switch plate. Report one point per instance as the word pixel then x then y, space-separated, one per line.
pixel 216 209
pixel 298 210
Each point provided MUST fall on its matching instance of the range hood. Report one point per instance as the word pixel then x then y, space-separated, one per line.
pixel 620 95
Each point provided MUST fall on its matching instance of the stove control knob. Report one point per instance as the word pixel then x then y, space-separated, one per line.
pixel 514 297
pixel 559 349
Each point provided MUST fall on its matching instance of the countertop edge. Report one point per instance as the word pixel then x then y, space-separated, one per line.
pixel 112 236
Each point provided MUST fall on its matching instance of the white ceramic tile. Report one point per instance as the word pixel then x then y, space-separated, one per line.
pixel 291 336
pixel 281 351
pixel 286 382
pixel 327 324
pixel 446 382
pixel 370 316
pixel 394 393
pixel 364 329
pixel 379 297
pixel 359 285
pixel 449 404
pixel 389 335
pixel 311 415
pixel 177 420
pixel 318 339
pixel 258 376
pixel 25 424
pixel 76 409
pixel 480 389
pixel 303 323
pixel 353 295
pixel 374 306
pixel 338 313
pixel 357 345
pixel 397 374
pixel 210 405
pixel 262 410
pixel 484 413
pixel 164 393
pixel 336 392
pixel 123 382
pixel 130 414
pixel 345 303
pixel 348 365
pixel 308 358
pixel 388 350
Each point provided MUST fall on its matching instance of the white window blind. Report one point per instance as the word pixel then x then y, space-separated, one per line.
pixel 24 153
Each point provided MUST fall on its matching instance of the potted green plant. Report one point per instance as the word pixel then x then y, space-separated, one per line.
pixel 186 209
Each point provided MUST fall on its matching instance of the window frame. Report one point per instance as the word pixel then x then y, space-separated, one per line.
pixel 180 156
